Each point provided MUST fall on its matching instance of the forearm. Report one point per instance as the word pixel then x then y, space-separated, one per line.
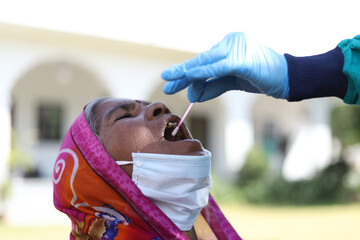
pixel 335 73
pixel 316 76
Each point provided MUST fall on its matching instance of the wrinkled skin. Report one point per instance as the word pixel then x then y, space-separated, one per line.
pixel 127 126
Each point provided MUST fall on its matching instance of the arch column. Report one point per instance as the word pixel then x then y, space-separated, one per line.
pixel 5 133
pixel 55 85
pixel 239 135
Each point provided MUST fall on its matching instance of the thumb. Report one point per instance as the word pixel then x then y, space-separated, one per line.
pixel 195 91
pixel 202 91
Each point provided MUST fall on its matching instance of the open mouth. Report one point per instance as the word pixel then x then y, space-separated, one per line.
pixel 182 134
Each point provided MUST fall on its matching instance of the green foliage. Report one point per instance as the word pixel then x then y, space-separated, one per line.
pixel 18 159
pixel 225 191
pixel 21 164
pixel 263 188
pixel 5 189
pixel 327 187
pixel 345 124
pixel 258 185
pixel 254 167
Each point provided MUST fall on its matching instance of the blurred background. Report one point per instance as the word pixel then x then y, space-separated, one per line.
pixel 281 170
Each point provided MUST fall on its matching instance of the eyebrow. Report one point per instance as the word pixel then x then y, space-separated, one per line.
pixel 124 106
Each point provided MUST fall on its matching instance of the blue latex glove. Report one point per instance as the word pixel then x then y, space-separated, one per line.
pixel 235 63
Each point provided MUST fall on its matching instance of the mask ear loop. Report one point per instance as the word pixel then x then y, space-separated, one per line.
pixel 134 175
pixel 121 163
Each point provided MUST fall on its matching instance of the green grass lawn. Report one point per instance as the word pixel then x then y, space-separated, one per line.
pixel 328 222
pixel 36 233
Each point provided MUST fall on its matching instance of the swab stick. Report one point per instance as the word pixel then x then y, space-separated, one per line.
pixel 182 119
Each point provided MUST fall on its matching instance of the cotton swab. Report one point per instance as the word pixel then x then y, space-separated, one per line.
pixel 182 119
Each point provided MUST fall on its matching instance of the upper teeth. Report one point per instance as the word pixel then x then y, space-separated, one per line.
pixel 171 124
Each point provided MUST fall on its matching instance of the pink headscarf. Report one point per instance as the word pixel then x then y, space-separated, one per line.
pixel 104 203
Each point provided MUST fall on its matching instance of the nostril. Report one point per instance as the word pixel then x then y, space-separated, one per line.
pixel 156 109
pixel 157 112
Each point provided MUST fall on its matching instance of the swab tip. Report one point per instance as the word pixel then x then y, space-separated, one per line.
pixel 175 131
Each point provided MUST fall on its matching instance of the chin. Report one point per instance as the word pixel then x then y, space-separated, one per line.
pixel 181 147
pixel 184 147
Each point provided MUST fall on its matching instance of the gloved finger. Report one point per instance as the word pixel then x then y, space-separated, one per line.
pixel 205 58
pixel 173 73
pixel 216 69
pixel 176 86
pixel 195 91
pixel 201 91
pixel 178 71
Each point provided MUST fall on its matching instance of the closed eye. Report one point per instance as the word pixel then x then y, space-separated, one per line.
pixel 126 115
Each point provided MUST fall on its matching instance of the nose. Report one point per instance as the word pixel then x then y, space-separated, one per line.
pixel 156 109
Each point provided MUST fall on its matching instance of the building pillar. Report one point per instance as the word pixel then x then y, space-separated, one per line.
pixel 5 143
pixel 239 131
pixel 311 148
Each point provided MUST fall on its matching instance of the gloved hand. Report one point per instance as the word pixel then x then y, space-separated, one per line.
pixel 235 63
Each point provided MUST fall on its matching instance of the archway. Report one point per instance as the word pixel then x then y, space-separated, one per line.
pixel 45 101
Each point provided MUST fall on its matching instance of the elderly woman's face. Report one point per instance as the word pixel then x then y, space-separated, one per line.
pixel 127 126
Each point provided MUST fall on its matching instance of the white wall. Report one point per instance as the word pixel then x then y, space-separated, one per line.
pixel 59 82
pixel 27 61
pixel 239 135
pixel 122 69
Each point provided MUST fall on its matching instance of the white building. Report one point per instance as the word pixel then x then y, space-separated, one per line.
pixel 47 73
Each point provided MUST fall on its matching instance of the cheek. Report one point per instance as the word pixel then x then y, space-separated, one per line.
pixel 140 137
pixel 122 142
pixel 117 144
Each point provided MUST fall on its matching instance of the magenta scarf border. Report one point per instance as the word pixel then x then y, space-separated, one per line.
pixel 103 164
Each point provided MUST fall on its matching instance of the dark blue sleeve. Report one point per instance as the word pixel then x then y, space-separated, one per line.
pixel 316 76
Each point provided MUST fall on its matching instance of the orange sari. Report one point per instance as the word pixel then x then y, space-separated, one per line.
pixel 104 203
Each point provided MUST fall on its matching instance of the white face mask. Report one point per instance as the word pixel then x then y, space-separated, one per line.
pixel 178 184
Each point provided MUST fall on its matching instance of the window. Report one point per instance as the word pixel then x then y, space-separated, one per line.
pixel 50 117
